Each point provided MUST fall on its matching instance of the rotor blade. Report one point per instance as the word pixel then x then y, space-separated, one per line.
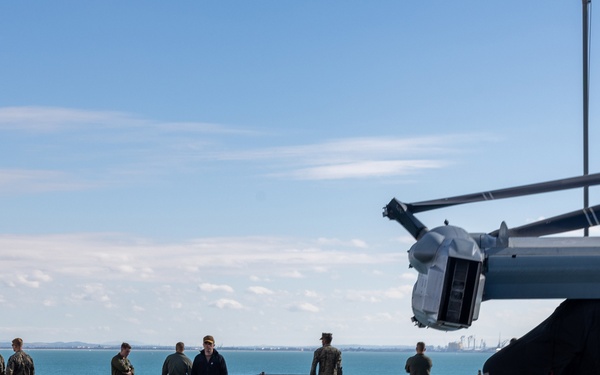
pixel 396 210
pixel 580 219
pixel 542 187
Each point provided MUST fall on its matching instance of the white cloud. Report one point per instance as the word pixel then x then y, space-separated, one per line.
pixel 151 149
pixel 362 169
pixel 311 294
pixel 122 257
pixel 357 157
pixel 34 280
pixel 57 119
pixel 30 283
pixel 303 307
pixel 377 296
pixel 92 292
pixel 360 243
pixel 37 180
pixel 293 274
pixel 260 290
pixel 206 287
pixel 50 119
pixel 398 292
pixel 227 304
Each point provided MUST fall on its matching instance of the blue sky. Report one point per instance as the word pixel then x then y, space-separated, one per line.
pixel 170 170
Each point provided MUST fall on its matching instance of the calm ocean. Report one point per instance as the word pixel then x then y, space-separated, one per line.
pixel 149 362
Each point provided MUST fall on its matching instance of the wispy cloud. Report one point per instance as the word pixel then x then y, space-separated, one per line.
pixel 57 119
pixel 118 257
pixel 85 149
pixel 303 307
pixel 357 157
pixel 206 287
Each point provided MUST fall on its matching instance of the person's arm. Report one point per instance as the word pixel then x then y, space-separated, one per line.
pixel 188 365
pixel 407 366
pixel 9 367
pixel 313 367
pixel 165 369
pixel 120 366
pixel 223 366
pixel 195 367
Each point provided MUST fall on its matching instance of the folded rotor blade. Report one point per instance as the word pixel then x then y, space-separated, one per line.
pixel 543 187
pixel 580 219
pixel 396 210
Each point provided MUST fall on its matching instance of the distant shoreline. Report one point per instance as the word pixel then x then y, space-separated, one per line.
pixel 344 348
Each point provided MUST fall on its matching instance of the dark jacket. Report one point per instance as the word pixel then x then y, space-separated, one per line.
pixel 216 365
pixel 419 364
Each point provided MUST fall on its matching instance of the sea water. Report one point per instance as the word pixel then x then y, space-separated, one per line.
pixel 149 362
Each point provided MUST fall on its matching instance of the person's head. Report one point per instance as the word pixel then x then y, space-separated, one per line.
pixel 326 338
pixel 125 349
pixel 208 342
pixel 179 347
pixel 420 347
pixel 17 344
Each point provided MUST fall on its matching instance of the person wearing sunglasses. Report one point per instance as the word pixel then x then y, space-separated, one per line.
pixel 209 361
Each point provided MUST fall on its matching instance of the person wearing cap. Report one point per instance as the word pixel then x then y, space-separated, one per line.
pixel 120 365
pixel 327 357
pixel 419 364
pixel 177 363
pixel 19 363
pixel 209 361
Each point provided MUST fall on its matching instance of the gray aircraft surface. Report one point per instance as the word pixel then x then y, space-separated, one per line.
pixel 459 270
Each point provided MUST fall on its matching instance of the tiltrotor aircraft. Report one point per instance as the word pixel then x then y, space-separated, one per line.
pixel 458 270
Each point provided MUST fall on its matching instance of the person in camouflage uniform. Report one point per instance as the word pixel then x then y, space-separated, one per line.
pixel 327 357
pixel 19 363
pixel 2 369
pixel 119 364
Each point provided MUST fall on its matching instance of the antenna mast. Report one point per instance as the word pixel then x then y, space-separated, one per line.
pixel 586 27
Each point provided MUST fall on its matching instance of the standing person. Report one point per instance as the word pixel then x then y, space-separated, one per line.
pixel 209 361
pixel 327 357
pixel 419 364
pixel 19 363
pixel 119 364
pixel 2 368
pixel 177 363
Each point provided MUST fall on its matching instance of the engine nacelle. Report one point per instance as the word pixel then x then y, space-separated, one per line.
pixel 449 289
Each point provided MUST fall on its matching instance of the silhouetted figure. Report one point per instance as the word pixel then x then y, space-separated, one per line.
pixel 567 343
pixel 419 364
